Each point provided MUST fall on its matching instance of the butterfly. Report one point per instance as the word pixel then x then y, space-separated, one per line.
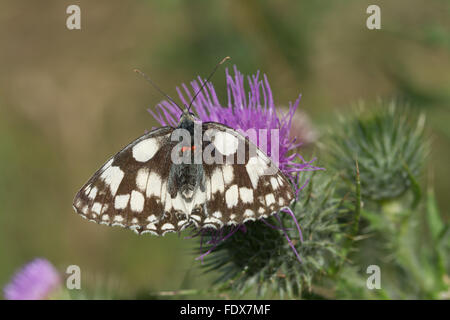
pixel 199 174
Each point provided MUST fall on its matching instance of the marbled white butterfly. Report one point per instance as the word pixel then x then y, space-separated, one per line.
pixel 205 175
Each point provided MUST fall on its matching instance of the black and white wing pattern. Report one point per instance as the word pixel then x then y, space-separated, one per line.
pixel 240 190
pixel 142 189
pixel 129 190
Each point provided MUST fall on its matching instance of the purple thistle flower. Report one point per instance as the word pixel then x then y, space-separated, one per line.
pixel 35 281
pixel 252 109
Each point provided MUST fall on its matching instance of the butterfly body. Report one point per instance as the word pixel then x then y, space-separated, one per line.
pixel 205 175
pixel 186 177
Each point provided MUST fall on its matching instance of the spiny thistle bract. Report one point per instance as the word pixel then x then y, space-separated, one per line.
pixel 259 256
pixel 389 146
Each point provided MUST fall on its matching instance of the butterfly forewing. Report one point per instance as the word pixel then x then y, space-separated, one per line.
pixel 130 189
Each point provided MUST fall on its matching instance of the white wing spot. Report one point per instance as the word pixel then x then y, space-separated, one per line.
pixel 145 149
pixel 249 213
pixel 225 142
pixel 178 204
pixel 153 185
pixel 141 178
pixel 93 193
pixel 255 168
pixel 121 201
pixel 217 181
pixel 137 201
pixel 231 196
pixel 164 192
pixel 118 218
pixel 213 221
pixel 208 189
pixel 151 226
pixel 274 183
pixel 217 214
pixel 228 174
pixel 246 195
pixel 96 207
pixel 270 199
pixel 281 201
pixel 113 176
pixel 167 226
pixel 198 200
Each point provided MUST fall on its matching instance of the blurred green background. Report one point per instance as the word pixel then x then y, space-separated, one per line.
pixel 70 99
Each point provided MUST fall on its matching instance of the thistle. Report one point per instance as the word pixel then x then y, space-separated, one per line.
pixel 37 280
pixel 389 146
pixel 406 240
pixel 260 256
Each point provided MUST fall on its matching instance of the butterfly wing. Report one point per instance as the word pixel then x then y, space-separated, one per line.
pixel 130 189
pixel 243 188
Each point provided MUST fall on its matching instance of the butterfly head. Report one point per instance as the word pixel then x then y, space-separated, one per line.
pixel 187 118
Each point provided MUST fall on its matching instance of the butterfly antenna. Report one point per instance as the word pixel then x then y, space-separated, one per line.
pixel 207 80
pixel 146 77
